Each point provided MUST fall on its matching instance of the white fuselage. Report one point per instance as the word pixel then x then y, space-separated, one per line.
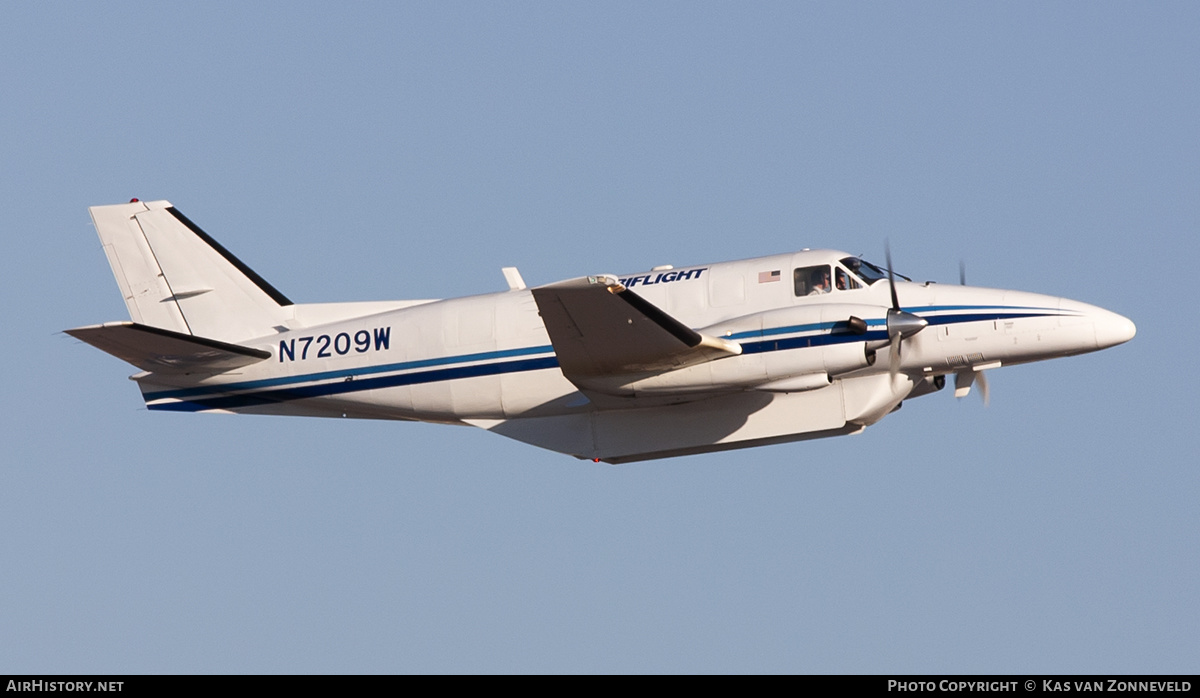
pixel 489 357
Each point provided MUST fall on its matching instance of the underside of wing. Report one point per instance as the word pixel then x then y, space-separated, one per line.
pixel 600 330
pixel 723 422
pixel 164 351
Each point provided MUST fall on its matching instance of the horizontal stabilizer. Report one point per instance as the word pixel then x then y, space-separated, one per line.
pixel 600 329
pixel 163 351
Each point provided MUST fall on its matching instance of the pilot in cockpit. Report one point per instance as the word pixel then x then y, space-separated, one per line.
pixel 819 281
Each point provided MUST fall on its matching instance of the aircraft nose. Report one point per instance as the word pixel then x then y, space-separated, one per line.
pixel 1112 329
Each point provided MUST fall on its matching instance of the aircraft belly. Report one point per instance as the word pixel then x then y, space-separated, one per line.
pixel 325 407
pixel 537 393
pixel 396 402
pixel 432 398
pixel 476 396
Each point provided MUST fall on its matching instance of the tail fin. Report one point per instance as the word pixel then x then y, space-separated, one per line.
pixel 175 277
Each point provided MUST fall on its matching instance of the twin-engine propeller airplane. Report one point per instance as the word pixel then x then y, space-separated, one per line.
pixel 611 368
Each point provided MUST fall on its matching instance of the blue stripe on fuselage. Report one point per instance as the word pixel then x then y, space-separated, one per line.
pixel 348 372
pixel 270 397
pixel 350 380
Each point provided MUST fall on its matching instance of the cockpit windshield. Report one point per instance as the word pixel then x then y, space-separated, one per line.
pixel 866 271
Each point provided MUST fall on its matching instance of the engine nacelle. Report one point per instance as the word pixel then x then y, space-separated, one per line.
pixel 784 350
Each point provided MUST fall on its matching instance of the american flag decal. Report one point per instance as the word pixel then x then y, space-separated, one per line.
pixel 765 277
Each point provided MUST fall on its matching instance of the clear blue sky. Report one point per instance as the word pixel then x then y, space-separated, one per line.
pixel 387 150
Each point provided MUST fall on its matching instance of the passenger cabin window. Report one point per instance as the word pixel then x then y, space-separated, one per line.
pixel 812 281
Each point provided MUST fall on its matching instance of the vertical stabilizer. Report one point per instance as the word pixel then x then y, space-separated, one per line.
pixel 145 290
pixel 175 277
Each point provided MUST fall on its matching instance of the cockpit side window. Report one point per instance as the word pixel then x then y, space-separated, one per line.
pixel 811 281
pixel 843 280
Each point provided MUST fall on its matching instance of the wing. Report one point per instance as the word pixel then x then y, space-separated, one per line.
pixel 163 351
pixel 600 329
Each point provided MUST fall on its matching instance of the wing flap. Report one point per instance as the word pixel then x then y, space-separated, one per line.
pixel 164 351
pixel 599 328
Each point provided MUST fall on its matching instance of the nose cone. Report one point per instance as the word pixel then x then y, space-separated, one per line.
pixel 1112 329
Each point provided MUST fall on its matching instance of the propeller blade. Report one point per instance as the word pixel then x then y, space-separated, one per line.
pixel 964 379
pixel 894 357
pixel 900 324
pixel 887 252
pixel 981 379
